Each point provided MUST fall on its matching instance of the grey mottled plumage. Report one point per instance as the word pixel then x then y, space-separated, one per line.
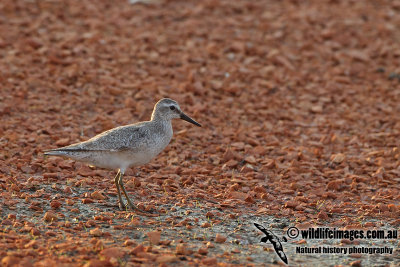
pixel 128 146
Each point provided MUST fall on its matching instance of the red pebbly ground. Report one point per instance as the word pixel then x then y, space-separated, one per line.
pixel 300 107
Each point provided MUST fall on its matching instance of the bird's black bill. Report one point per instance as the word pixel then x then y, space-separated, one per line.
pixel 188 119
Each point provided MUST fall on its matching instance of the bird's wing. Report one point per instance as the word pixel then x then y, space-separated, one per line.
pixel 278 247
pixel 114 140
pixel 280 253
pixel 261 228
pixel 274 241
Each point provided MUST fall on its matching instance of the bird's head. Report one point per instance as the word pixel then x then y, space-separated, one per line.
pixel 168 109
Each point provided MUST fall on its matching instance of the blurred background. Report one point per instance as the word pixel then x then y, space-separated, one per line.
pixel 299 100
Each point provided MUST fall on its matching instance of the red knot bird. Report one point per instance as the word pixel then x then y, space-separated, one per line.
pixel 128 146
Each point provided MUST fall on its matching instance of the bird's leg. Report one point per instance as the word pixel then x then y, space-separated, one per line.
pixel 121 183
pixel 121 204
pixel 131 206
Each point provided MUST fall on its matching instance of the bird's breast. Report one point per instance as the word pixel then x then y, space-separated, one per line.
pixel 160 141
pixel 154 144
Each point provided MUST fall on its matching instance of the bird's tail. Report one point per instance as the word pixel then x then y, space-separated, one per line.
pixel 55 152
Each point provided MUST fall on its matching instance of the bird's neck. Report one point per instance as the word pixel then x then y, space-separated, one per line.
pixel 163 126
pixel 155 116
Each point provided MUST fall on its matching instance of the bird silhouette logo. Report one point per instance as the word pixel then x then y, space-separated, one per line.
pixel 275 241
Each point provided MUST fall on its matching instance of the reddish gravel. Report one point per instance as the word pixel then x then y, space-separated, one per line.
pixel 299 102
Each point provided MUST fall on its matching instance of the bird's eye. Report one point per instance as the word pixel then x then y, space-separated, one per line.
pixel 172 108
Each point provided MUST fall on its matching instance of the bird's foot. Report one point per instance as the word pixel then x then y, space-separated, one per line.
pixel 122 206
pixel 142 212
